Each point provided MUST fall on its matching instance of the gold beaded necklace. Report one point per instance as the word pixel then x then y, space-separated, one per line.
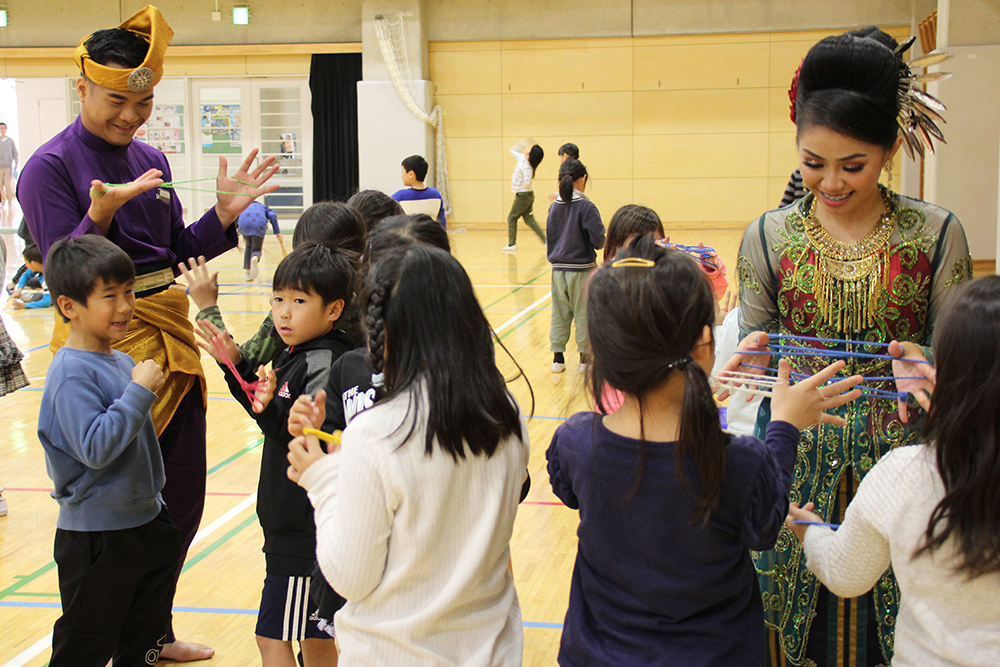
pixel 850 276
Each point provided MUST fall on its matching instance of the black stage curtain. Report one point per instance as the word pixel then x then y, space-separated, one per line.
pixel 333 80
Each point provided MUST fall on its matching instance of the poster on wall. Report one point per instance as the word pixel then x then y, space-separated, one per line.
pixel 221 128
pixel 165 129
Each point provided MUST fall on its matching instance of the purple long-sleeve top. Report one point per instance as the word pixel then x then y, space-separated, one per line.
pixel 54 192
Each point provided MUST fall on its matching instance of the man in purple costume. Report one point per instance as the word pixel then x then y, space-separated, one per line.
pixel 66 190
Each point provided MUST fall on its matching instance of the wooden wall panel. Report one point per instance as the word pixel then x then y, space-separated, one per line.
pixel 701 111
pixel 783 156
pixel 466 72
pixel 701 156
pixel 567 70
pixel 476 159
pixel 701 66
pixel 579 114
pixel 707 199
pixel 695 126
pixel 471 115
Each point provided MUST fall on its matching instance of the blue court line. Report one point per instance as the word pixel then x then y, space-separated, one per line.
pixel 36 348
pixel 228 610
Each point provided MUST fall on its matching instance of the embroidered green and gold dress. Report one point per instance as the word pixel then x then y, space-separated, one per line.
pixel 796 279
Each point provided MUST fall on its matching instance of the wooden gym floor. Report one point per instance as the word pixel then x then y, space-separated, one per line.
pixel 216 601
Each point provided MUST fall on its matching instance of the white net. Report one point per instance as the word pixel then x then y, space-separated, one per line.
pixel 392 44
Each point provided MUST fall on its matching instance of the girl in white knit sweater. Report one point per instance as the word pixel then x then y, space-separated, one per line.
pixel 933 511
pixel 414 511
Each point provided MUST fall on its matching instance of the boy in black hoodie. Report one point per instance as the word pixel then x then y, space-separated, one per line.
pixel 311 288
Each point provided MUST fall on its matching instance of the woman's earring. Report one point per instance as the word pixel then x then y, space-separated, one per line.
pixel 887 168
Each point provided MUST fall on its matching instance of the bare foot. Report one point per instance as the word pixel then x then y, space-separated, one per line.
pixel 186 652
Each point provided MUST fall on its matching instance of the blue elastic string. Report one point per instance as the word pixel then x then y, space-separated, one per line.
pixel 866 378
pixel 828 340
pixel 794 351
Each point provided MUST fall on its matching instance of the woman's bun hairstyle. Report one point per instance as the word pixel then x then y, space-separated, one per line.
pixel 850 84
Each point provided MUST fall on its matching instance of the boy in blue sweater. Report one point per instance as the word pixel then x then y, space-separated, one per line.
pixel 115 545
pixel 417 197
pixel 311 288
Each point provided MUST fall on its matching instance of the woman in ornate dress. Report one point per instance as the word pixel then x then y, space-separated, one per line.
pixel 855 262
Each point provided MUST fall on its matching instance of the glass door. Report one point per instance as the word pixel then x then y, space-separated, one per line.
pixel 285 131
pixel 220 128
pixel 233 116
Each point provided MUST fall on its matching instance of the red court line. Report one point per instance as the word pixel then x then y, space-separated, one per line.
pixel 540 502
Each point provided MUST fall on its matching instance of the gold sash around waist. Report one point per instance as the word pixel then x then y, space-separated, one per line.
pixel 160 330
pixel 150 281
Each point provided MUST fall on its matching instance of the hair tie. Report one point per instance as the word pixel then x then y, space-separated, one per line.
pixel 378 379
pixel 681 363
pixel 628 262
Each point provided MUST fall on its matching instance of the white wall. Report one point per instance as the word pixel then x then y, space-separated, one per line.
pixel 388 132
pixel 42 111
pixel 963 175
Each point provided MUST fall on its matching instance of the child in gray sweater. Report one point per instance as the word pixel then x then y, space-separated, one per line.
pixel 115 545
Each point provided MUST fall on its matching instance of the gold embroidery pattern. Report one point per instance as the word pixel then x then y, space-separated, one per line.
pixel 898 309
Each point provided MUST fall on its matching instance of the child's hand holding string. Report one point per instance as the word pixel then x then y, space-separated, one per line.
pixel 912 366
pixel 303 451
pixel 307 412
pixel 804 513
pixel 805 403
pixel 754 342
pixel 212 337
pixel 105 200
pixel 266 384
pixel 203 287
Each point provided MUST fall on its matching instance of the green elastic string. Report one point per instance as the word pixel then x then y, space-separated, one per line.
pixel 174 186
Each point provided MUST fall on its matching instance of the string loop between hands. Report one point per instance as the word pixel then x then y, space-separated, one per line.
pixel 734 380
pixel 181 185
pixel 249 388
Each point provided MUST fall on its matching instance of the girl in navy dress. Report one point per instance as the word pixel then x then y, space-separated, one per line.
pixel 669 504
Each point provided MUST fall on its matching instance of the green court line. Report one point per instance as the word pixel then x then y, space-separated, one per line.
pixel 26 579
pixel 517 289
pixel 235 456
pixel 191 562
pixel 520 324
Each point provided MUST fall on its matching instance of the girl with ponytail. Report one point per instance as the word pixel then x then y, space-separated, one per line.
pixel 528 155
pixel 860 267
pixel 575 234
pixel 669 504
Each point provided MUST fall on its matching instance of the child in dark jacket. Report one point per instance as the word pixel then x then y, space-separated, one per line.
pixel 312 287
pixel 575 234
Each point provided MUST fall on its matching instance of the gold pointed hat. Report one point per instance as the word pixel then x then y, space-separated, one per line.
pixel 149 24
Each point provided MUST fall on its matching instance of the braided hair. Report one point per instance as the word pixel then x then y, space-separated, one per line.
pixel 441 346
